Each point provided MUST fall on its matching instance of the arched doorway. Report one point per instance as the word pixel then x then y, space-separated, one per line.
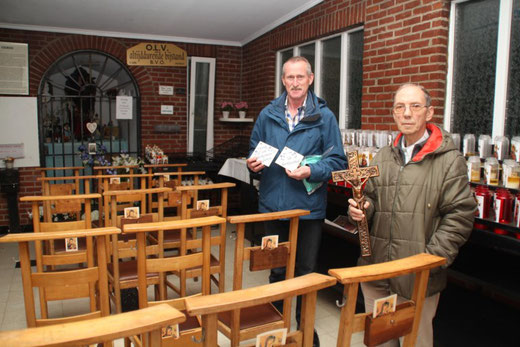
pixel 77 107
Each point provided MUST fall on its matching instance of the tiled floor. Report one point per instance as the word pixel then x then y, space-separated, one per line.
pixel 12 312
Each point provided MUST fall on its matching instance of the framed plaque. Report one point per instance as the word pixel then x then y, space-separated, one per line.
pixel 14 68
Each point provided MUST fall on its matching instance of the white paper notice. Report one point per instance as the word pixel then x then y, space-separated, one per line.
pixel 124 107
pixel 289 159
pixel 264 153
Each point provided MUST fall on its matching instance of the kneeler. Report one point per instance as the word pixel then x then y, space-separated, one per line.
pixel 212 305
pixel 239 325
pixel 190 331
pixel 104 330
pixel 405 320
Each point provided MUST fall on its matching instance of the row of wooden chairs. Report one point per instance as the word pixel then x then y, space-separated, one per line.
pixel 51 187
pixel 123 274
pixel 209 307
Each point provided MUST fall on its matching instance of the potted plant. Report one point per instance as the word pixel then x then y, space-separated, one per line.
pixel 241 107
pixel 226 107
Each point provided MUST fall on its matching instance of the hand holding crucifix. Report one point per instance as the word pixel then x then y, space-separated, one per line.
pixel 357 177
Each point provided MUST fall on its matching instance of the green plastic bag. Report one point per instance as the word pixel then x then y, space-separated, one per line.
pixel 311 187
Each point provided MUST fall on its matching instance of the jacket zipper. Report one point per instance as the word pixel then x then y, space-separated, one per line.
pixel 393 211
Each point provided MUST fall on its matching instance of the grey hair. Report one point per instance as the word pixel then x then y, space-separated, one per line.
pixel 427 96
pixel 296 59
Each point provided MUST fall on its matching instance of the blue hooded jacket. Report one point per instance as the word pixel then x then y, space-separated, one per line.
pixel 314 134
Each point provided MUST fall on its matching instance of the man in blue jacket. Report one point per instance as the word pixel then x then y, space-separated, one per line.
pixel 301 121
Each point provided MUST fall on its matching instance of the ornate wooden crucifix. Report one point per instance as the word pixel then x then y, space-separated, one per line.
pixel 357 176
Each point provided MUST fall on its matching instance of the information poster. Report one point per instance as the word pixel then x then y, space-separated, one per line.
pixel 124 107
pixel 14 68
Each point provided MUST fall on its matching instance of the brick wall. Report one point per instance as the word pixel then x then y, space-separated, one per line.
pixel 404 41
pixel 45 48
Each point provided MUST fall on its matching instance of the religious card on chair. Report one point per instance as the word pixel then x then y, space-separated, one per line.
pixel 269 242
pixel 71 244
pixel 271 338
pixel 384 305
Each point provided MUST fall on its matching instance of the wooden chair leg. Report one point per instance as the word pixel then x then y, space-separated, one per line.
pixel 346 321
pixel 117 296
pixel 209 330
pixel 307 318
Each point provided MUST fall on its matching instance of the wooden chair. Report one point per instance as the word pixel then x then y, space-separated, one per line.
pixel 57 246
pixel 89 282
pixel 56 172
pixel 174 239
pixel 123 200
pixel 123 267
pixel 251 321
pixel 173 200
pixel 161 168
pixel 148 321
pixel 403 322
pixel 213 306
pixel 146 266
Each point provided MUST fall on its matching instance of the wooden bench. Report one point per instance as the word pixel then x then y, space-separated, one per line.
pixel 98 330
pixel 405 319
pixel 210 306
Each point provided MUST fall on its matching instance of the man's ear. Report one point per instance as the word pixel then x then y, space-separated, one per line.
pixel 429 113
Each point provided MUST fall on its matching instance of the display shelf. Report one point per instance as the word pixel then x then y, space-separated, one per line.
pixel 510 227
pixel 237 120
pixel 490 186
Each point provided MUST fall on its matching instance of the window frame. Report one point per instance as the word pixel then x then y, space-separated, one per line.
pixel 344 72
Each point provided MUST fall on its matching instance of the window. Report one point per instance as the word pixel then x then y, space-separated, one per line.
pixel 77 106
pixel 483 86
pixel 337 63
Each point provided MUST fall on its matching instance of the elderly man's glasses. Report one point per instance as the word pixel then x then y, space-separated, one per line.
pixel 399 109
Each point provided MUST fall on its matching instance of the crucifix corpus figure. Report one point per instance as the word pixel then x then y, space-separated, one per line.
pixel 357 176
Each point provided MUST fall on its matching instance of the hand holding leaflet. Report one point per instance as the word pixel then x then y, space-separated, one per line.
pixel 289 159
pixel 264 153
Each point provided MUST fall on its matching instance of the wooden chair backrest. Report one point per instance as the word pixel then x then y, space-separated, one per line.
pixel 52 172
pixel 191 212
pixel 419 264
pixel 175 180
pixel 98 330
pixel 61 284
pixel 49 226
pixel 112 197
pixel 308 285
pixel 243 253
pixel 64 206
pixel 162 265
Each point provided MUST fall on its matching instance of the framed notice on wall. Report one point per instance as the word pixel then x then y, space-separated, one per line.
pixel 14 68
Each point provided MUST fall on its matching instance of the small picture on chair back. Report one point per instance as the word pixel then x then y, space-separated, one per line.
pixel 71 244
pixel 384 305
pixel 271 338
pixel 115 180
pixel 269 242
pixel 170 331
pixel 131 212
pixel 203 205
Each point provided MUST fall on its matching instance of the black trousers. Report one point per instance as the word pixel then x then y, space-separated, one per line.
pixel 308 247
